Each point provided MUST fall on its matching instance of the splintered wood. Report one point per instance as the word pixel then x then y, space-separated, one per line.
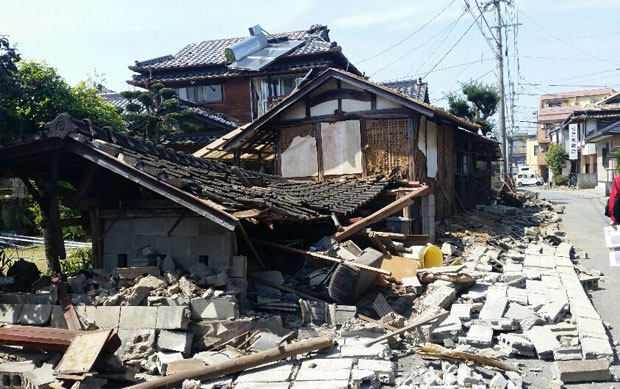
pixel 434 351
pixel 387 146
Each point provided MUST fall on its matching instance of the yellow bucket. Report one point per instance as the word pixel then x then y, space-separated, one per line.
pixel 428 256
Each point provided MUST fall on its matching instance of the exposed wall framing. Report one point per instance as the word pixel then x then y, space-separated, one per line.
pixel 387 146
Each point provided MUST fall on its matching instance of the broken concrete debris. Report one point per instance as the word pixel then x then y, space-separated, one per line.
pixel 510 288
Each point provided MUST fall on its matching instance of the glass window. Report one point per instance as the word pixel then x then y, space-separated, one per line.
pixel 535 150
pixel 605 152
pixel 201 93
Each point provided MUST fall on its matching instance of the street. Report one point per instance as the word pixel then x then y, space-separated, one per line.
pixel 583 221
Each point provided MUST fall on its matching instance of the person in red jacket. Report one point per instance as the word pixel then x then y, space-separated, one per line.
pixel 614 197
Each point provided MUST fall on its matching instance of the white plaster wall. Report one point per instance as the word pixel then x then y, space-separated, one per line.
pixel 330 84
pixel 326 108
pixel 355 105
pixel 300 158
pixel 342 150
pixel 346 85
pixel 383 103
pixel 297 111
pixel 422 135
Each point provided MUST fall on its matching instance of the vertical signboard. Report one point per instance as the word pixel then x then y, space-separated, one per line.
pixel 572 141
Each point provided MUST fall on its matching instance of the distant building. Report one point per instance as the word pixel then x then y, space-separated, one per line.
pixel 553 110
pixel 531 152
pixel 201 72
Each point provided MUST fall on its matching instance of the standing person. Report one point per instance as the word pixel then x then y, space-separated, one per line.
pixel 614 197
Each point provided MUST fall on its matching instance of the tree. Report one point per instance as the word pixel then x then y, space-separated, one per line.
pixel 477 102
pixel 155 114
pixel 556 158
pixel 9 84
pixel 33 93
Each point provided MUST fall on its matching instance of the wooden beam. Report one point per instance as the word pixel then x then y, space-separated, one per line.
pixel 96 227
pixel 319 256
pixel 319 151
pixel 87 181
pixel 237 172
pixel 368 114
pixel 363 144
pixel 411 326
pixel 247 239
pixel 381 214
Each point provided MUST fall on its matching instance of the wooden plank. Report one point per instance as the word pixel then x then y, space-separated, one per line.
pixel 182 365
pixel 71 317
pixel 415 324
pixel 382 213
pixel 440 270
pixel 250 244
pixel 400 267
pixel 382 324
pixel 83 352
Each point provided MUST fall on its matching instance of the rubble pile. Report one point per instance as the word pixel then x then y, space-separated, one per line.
pixel 509 289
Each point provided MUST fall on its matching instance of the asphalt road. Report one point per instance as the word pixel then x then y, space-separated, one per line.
pixel 583 222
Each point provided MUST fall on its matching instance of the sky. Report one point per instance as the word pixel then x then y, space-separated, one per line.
pixel 552 46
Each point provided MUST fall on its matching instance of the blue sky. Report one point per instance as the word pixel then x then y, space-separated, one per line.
pixel 562 45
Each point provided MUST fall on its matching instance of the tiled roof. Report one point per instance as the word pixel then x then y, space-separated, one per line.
pixel 211 52
pixel 414 88
pixel 216 182
pixel 189 74
pixel 612 129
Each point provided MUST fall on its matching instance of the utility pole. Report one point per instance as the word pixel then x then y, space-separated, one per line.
pixel 503 170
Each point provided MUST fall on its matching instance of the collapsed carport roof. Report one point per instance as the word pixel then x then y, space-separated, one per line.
pixel 217 191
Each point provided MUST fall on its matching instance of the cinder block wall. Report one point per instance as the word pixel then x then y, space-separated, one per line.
pixel 193 237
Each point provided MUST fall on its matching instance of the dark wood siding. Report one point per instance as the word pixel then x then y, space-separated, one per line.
pixel 236 99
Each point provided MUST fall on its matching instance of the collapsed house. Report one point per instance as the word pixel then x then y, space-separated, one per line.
pixel 339 124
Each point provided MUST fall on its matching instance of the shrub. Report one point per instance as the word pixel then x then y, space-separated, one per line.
pixel 617 155
pixel 79 259
pixel 555 158
pixel 560 180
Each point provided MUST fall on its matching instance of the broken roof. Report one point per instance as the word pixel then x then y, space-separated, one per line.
pixel 206 59
pixel 414 88
pixel 228 141
pixel 209 188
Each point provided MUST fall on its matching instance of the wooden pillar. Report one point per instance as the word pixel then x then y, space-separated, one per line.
pixel 50 215
pixel 319 151
pixel 278 158
pixel 363 144
pixel 408 212
pixel 96 229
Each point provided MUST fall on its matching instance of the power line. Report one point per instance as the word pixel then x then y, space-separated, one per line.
pixel 485 22
pixel 418 47
pixel 451 48
pixel 408 36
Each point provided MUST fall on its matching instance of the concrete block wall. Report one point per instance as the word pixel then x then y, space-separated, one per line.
pixel 192 238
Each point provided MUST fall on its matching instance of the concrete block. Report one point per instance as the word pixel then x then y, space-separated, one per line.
pixel 121 226
pixel 581 371
pixel 544 341
pixel 493 308
pixel 118 244
pixel 567 353
pixel 565 250
pixel 553 312
pixel 441 296
pixel 213 308
pixel 461 311
pixel 163 359
pixel 12 374
pixel 518 312
pixel 35 314
pixel 174 341
pixel 517 295
pixel 335 384
pixel 133 317
pixel 364 379
pixel 306 373
pixel 385 369
pixel 354 348
pixel 590 328
pixel 239 266
pixel 275 372
pixel 136 344
pixel 516 345
pixel 149 226
pixel 186 226
pixel 596 348
pixel 448 328
pixel 480 336
pixel 498 381
pixel 9 313
pixel 105 317
pixel 39 378
pixel 173 318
